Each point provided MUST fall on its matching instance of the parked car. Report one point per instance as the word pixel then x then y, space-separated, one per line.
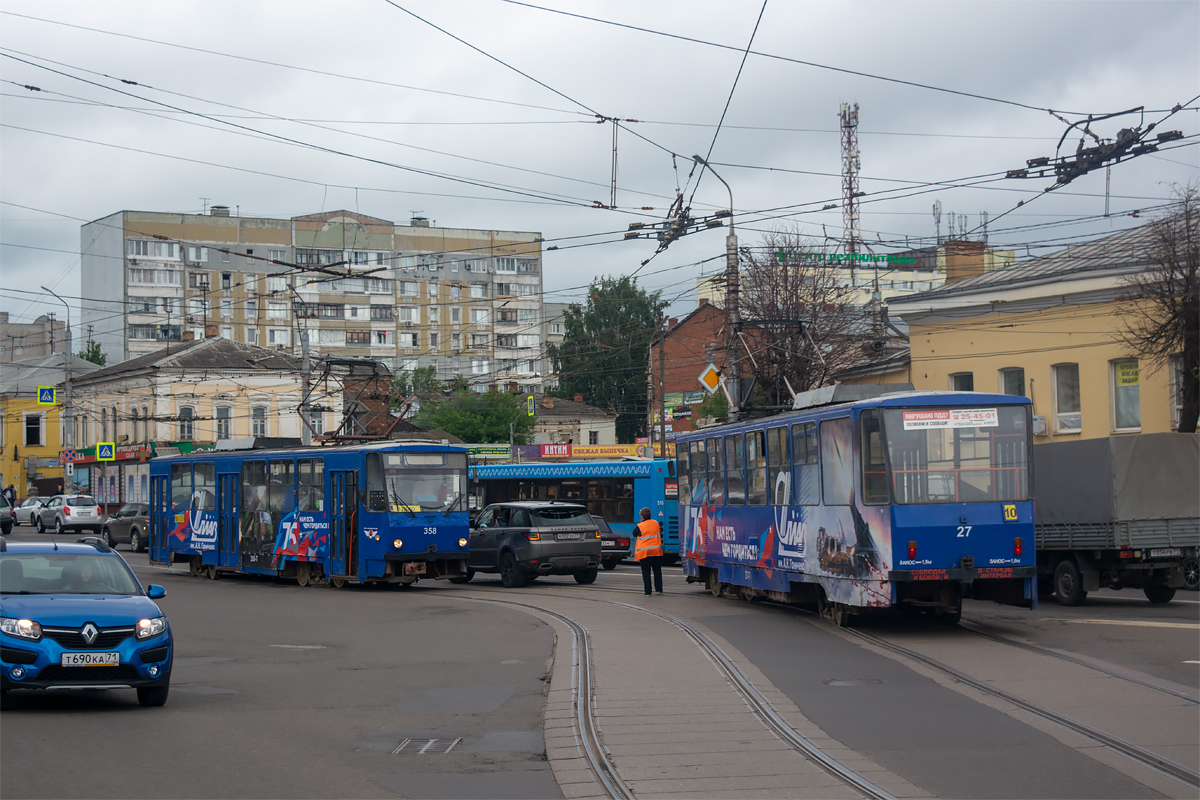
pixel 6 515
pixel 525 539
pixel 129 526
pixel 613 548
pixel 25 511
pixel 74 616
pixel 70 512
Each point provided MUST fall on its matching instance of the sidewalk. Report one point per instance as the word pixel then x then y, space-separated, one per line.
pixel 672 724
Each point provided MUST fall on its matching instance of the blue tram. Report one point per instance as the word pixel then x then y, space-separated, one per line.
pixel 906 499
pixel 389 512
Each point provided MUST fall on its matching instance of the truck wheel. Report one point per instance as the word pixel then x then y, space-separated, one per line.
pixel 1159 594
pixel 1191 573
pixel 1068 584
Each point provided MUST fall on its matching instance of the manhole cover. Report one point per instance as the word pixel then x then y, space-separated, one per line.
pixel 852 682
pixel 426 747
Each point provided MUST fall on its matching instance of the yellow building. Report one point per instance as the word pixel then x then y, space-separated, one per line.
pixel 31 432
pixel 1048 329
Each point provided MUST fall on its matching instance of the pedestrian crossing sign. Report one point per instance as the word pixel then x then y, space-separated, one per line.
pixel 106 451
pixel 529 405
pixel 46 395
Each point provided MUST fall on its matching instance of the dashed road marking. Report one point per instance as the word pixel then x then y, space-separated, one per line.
pixel 1190 626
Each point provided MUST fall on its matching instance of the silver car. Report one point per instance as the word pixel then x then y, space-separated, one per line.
pixel 70 512
pixel 6 515
pixel 27 509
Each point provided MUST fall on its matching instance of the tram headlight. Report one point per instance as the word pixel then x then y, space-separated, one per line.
pixel 397 543
pixel 462 541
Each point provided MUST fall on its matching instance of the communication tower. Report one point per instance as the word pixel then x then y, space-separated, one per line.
pixel 851 232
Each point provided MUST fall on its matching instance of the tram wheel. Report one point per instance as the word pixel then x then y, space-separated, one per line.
pixel 337 583
pixel 834 612
pixel 302 574
pixel 214 574
pixel 715 586
pixel 195 568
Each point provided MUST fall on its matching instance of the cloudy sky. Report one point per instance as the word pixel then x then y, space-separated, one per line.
pixel 483 114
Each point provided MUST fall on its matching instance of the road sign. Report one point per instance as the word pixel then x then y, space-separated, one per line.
pixel 70 469
pixel 106 451
pixel 70 456
pixel 710 379
pixel 529 405
pixel 46 395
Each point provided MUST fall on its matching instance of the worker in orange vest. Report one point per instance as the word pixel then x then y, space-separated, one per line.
pixel 648 550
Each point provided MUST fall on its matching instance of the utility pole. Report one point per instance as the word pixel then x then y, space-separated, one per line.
pixel 305 430
pixel 662 385
pixel 733 313
pixel 68 416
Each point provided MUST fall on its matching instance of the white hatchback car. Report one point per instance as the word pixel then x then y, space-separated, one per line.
pixel 70 512
pixel 25 513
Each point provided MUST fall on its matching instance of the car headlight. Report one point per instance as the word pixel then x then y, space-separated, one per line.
pixel 397 543
pixel 25 628
pixel 462 541
pixel 147 628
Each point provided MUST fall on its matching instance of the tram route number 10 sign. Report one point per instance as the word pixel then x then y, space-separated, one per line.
pixel 951 418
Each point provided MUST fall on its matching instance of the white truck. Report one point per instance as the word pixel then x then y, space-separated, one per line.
pixel 1121 512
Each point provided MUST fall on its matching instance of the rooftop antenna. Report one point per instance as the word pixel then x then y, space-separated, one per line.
pixel 850 165
pixel 937 220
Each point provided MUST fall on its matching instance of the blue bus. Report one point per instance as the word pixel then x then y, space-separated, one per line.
pixel 907 499
pixel 387 512
pixel 614 490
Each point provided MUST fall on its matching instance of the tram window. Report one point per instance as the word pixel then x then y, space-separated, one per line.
pixel 874 471
pixel 735 484
pixel 699 481
pixel 255 518
pixel 756 469
pixel 206 486
pixel 837 470
pixel 281 490
pixel 716 471
pixel 181 485
pixel 681 472
pixel 376 486
pixel 312 484
pixel 778 466
pixel 805 467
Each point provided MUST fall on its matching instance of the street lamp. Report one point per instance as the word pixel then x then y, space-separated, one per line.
pixel 68 417
pixel 732 292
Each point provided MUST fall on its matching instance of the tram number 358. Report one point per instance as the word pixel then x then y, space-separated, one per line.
pixel 964 531
pixel 431 531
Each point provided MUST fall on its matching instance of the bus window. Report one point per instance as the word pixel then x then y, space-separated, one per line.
pixel 735 485
pixel 716 471
pixel 837 471
pixel 181 485
pixel 805 475
pixel 874 472
pixel 255 532
pixel 699 493
pixel 756 469
pixel 281 490
pixel 205 490
pixel 624 511
pixel 778 466
pixel 312 484
pixel 600 497
pixel 681 472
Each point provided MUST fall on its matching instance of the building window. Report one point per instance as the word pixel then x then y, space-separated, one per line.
pixel 226 308
pixel 479 366
pixel 455 291
pixel 358 337
pixel 83 431
pixel 33 430
pixel 251 309
pixel 318 422
pixel 277 336
pixel 251 335
pixel 379 285
pixel 276 283
pixel 556 329
pixel 479 316
pixel 1126 395
pixel 1067 416
pixel 277 255
pixel 506 265
pixel 456 315
pixel 226 280
pixel 186 429
pixel 433 341
pixel 382 313
pixel 479 291
pixel 593 437
pixel 962 382
pixel 506 340
pixel 408 288
pixel 224 422
pixel 527 266
pixel 1012 381
pixel 479 340
pixel 197 254
pixel 258 421
pixel 435 315
pixel 277 309
pixel 410 339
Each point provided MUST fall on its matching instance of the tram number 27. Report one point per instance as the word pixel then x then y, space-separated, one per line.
pixel 964 531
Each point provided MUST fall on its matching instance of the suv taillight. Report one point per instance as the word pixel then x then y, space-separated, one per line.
pixel 532 536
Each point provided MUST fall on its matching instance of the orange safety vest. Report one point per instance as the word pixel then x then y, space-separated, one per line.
pixel 649 540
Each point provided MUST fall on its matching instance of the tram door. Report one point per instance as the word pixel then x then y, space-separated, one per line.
pixel 162 520
pixel 343 533
pixel 227 519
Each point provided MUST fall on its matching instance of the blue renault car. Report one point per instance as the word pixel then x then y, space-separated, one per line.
pixel 74 616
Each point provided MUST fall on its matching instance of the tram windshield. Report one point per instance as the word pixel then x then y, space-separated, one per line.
pixel 425 481
pixel 945 455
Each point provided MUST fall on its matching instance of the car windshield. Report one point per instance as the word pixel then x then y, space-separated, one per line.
pixel 65 573
pixel 80 500
pixel 567 515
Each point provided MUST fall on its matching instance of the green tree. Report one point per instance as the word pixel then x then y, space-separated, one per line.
pixel 715 406
pixel 421 379
pixel 91 352
pixel 479 417
pixel 603 355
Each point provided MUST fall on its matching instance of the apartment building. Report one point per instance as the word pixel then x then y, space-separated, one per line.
pixel 341 283
pixel 20 341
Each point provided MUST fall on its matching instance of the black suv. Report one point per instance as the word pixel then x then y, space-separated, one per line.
pixel 527 538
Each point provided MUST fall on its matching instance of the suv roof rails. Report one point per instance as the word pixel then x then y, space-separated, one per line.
pixel 96 542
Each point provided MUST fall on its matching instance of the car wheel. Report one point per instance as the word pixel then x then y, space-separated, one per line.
pixel 153 695
pixel 510 574
pixel 1159 594
pixel 106 535
pixel 465 578
pixel 58 526
pixel 6 528
pixel 41 526
pixel 586 576
pixel 609 563
pixel 1191 573
pixel 135 541
pixel 1068 583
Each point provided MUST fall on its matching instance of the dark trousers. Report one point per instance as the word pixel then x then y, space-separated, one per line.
pixel 652 563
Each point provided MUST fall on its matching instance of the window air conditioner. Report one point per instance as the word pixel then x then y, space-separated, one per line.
pixel 408 324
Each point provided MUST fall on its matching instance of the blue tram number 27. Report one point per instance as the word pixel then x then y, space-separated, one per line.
pixel 964 531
